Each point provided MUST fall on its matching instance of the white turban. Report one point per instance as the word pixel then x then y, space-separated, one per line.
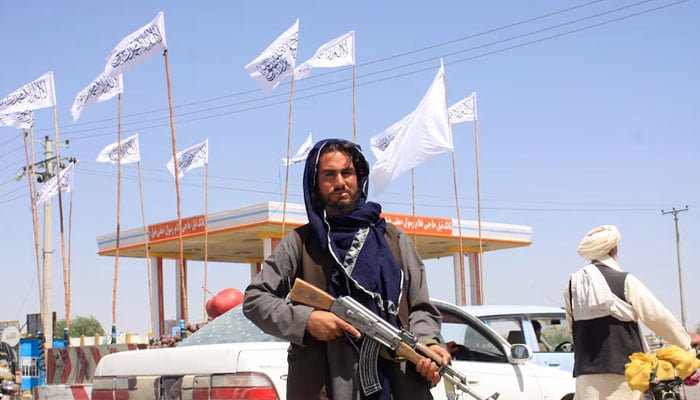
pixel 598 242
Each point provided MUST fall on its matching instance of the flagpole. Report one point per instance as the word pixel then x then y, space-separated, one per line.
pixel 206 232
pixel 413 206
pixel 70 241
pixel 119 196
pixel 459 229
pixel 183 289
pixel 354 117
pixel 459 218
pixel 35 219
pixel 479 268
pixel 289 144
pixel 60 219
pixel 147 245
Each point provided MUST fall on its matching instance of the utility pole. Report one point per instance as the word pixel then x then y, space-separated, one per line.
pixel 49 165
pixel 680 266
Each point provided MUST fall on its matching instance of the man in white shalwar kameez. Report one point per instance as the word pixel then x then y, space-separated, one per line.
pixel 604 306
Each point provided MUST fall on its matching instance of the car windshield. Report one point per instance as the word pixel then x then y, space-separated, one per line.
pixel 230 327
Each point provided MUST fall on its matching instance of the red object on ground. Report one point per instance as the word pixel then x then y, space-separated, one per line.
pixel 225 300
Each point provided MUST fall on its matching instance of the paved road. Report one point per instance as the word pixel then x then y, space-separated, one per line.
pixel 692 392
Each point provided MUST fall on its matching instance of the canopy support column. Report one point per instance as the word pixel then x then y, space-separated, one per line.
pixel 180 282
pixel 476 280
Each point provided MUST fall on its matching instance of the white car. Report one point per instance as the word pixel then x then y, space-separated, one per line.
pixel 232 358
pixel 519 323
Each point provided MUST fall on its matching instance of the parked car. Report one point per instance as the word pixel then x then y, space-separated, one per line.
pixel 518 323
pixel 232 358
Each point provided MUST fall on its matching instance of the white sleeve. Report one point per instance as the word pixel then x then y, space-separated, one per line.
pixel 654 315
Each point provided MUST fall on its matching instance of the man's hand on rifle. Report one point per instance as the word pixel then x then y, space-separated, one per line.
pixel 326 326
pixel 429 369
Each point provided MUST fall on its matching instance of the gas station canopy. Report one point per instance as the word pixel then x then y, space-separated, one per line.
pixel 237 235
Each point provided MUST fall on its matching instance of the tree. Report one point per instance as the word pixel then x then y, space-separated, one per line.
pixel 81 326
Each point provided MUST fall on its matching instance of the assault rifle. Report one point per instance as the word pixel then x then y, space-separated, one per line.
pixel 377 332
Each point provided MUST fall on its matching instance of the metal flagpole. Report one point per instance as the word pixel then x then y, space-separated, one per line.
pixel 60 219
pixel 478 271
pixel 289 144
pixel 183 289
pixel 354 117
pixel 147 245
pixel 459 218
pixel 119 196
pixel 70 235
pixel 35 218
pixel 413 206
pixel 206 231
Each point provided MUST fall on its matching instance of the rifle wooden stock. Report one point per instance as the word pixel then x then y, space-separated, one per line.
pixel 306 293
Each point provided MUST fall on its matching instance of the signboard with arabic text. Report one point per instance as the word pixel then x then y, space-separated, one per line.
pixel 410 223
pixel 168 230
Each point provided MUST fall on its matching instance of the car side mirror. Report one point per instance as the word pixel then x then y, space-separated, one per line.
pixel 519 353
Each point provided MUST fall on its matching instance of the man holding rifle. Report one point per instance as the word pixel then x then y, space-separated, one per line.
pixel 348 250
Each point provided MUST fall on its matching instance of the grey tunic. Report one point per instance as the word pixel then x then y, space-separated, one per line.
pixel 266 306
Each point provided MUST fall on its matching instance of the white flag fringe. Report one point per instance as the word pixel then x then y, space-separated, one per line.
pixel 40 93
pixel 277 61
pixel 101 89
pixel 129 150
pixel 425 134
pixel 339 52
pixel 19 120
pixel 463 110
pixel 50 188
pixel 138 46
pixel 190 158
pixel 302 153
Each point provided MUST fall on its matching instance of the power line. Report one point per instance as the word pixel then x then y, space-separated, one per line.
pixel 267 99
pixel 360 65
pixel 364 76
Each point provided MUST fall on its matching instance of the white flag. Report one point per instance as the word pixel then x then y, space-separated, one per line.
pixel 20 120
pixel 50 188
pixel 425 134
pixel 129 150
pixel 379 142
pixel 277 61
pixel 101 89
pixel 464 110
pixel 138 46
pixel 302 153
pixel 190 158
pixel 39 93
pixel 339 52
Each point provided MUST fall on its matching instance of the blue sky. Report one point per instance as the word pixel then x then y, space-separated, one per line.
pixel 587 116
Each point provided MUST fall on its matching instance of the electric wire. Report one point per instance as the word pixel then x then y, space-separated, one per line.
pixel 267 99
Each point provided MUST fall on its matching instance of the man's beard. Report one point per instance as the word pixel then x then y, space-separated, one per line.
pixel 340 208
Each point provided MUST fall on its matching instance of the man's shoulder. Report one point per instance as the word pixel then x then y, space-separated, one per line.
pixel 303 230
pixel 393 230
